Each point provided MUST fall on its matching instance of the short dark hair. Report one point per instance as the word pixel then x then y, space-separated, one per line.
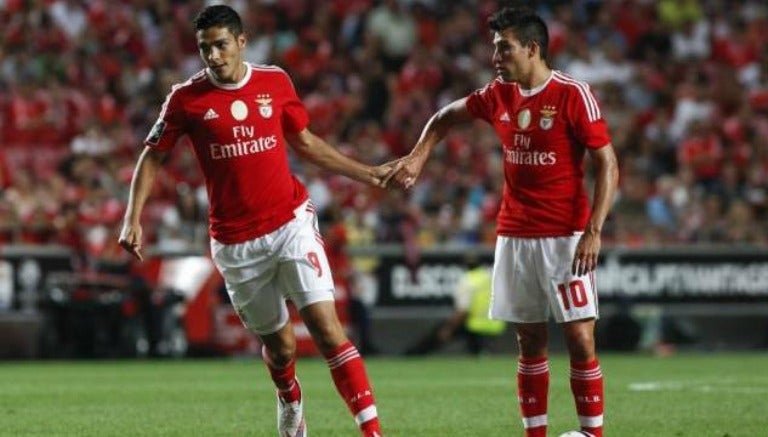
pixel 525 23
pixel 219 16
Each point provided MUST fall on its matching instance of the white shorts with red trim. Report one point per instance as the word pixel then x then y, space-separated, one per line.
pixel 289 263
pixel 532 279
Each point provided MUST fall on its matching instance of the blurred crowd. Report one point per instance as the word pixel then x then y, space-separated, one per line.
pixel 683 84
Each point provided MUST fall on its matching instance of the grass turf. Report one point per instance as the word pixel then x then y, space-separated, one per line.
pixel 684 395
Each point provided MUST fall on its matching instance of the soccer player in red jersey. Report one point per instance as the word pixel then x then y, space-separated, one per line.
pixel 548 235
pixel 264 234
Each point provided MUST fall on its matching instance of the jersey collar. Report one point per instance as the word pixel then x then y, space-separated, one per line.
pixel 534 91
pixel 230 86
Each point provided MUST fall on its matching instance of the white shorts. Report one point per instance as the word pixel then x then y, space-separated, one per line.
pixel 532 277
pixel 289 263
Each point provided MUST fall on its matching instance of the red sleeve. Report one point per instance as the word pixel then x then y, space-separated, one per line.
pixel 589 126
pixel 295 117
pixel 481 103
pixel 169 125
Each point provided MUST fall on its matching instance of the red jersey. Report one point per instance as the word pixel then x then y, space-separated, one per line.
pixel 237 131
pixel 544 133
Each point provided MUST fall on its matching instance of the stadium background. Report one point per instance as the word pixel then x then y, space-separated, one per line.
pixel 684 88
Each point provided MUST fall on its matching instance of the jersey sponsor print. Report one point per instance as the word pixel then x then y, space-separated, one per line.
pixel 544 133
pixel 237 133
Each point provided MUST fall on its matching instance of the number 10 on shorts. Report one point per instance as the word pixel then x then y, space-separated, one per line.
pixel 573 294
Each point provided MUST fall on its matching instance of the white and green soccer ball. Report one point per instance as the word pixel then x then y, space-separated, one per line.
pixel 576 434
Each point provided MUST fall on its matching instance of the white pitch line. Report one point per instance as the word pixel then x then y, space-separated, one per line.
pixel 651 386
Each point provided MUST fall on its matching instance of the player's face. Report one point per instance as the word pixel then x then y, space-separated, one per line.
pixel 511 59
pixel 222 53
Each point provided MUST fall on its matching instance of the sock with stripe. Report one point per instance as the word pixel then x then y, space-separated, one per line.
pixel 587 388
pixel 284 378
pixel 532 391
pixel 348 373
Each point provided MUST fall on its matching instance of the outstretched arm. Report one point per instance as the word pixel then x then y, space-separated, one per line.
pixel 322 154
pixel 606 181
pixel 434 131
pixel 141 185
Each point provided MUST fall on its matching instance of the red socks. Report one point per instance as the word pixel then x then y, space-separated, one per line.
pixel 587 388
pixel 532 388
pixel 348 372
pixel 586 385
pixel 284 378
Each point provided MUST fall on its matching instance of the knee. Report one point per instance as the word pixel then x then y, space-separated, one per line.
pixel 328 335
pixel 532 343
pixel 324 325
pixel 281 355
pixel 581 345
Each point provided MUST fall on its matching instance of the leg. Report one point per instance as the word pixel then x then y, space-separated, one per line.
pixel 279 352
pixel 517 297
pixel 533 377
pixel 573 300
pixel 345 363
pixel 324 325
pixel 250 273
pixel 586 376
pixel 532 339
pixel 266 315
pixel 580 339
pixel 304 274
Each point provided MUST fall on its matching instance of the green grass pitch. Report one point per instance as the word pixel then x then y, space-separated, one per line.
pixel 697 395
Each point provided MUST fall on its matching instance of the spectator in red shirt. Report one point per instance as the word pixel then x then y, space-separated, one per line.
pixel 702 150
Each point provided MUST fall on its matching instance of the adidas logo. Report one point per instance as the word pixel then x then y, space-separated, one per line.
pixel 504 117
pixel 210 114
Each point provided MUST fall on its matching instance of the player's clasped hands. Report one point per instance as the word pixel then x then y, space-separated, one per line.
pixel 404 172
pixel 383 173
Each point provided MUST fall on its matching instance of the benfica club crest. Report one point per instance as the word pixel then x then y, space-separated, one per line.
pixel 265 105
pixel 547 117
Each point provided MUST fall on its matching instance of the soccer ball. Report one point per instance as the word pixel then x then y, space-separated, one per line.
pixel 576 434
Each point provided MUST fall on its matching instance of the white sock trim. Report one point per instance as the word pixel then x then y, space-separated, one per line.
pixel 591 421
pixel 535 421
pixel 366 414
pixel 343 357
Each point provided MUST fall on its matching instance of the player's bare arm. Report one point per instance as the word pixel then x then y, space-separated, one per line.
pixel 316 150
pixel 606 181
pixel 141 185
pixel 434 131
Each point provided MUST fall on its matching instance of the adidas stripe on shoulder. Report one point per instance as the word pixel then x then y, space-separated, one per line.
pixel 590 103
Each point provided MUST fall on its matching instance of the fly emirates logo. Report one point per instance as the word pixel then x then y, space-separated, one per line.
pixel 245 144
pixel 521 154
